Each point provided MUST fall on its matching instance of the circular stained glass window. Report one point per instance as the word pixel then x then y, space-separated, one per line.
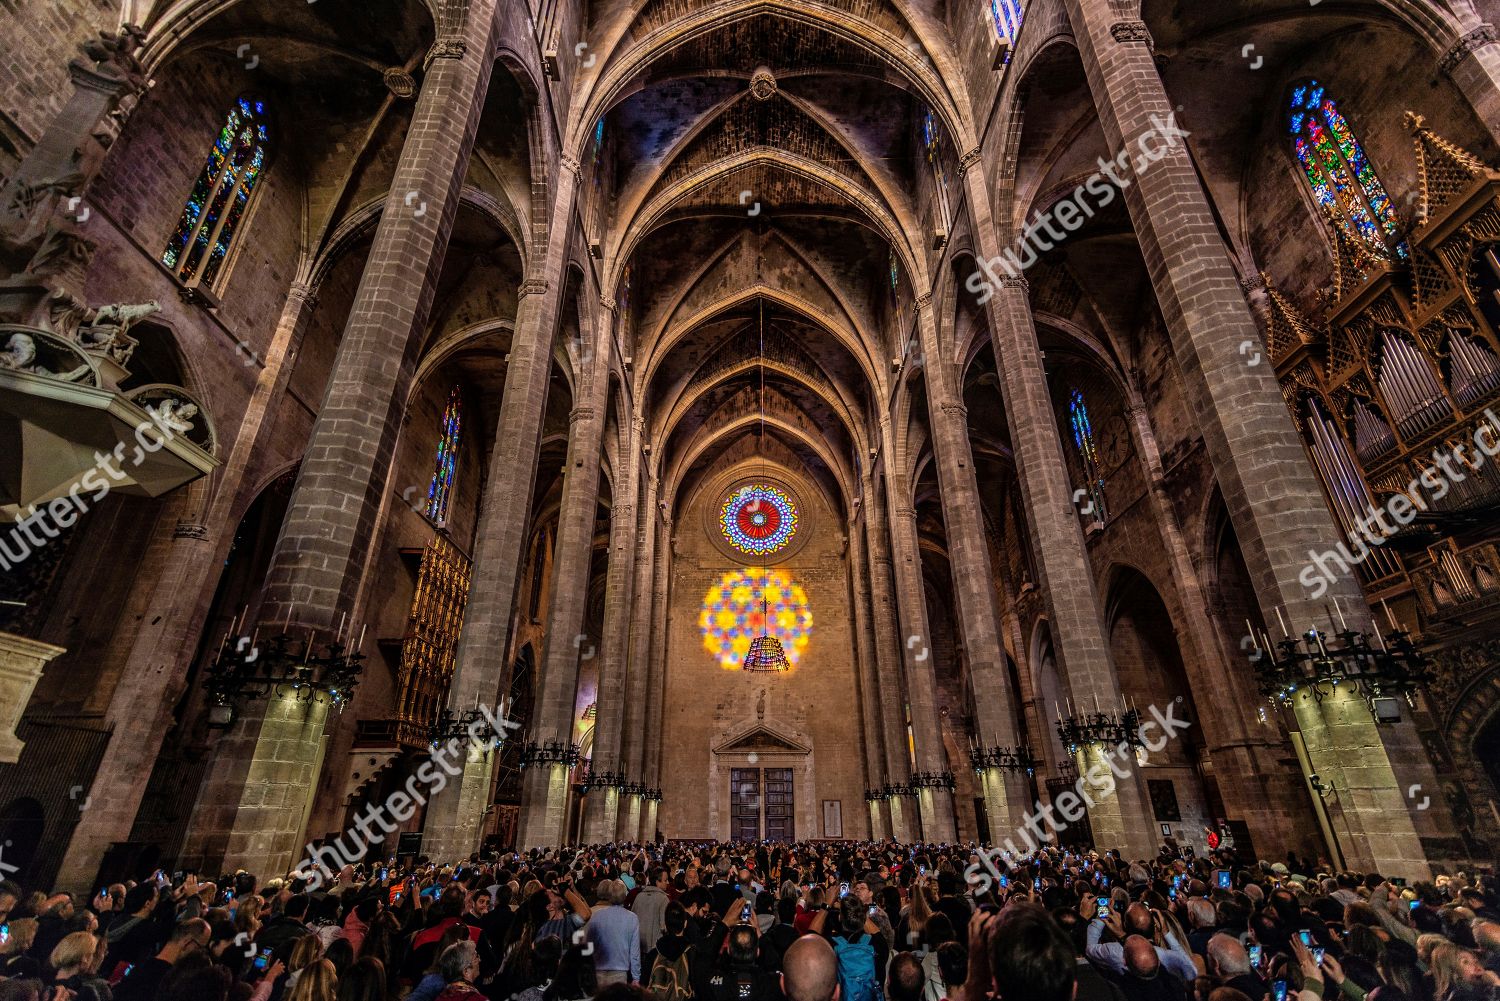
pixel 752 602
pixel 758 520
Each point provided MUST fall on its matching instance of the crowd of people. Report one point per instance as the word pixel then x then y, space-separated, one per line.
pixel 817 921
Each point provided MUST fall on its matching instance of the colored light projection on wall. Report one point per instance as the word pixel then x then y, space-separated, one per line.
pixel 758 519
pixel 732 615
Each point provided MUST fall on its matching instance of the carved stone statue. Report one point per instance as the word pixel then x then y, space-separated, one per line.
pixel 175 414
pixel 106 330
pixel 20 355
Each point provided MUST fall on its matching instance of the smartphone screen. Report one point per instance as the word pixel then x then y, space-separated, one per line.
pixel 1278 990
pixel 843 889
pixel 384 875
pixel 1223 879
pixel 1172 893
pixel 228 896
pixel 1254 957
pixel 262 960
pixel 1004 882
pixel 873 909
pixel 1305 937
pixel 1317 955
pixel 745 913
pixel 1413 905
pixel 1103 911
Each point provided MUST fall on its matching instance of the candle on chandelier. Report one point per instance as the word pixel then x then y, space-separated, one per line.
pixel 1390 617
pixel 1284 633
pixel 1343 626
pixel 361 636
pixel 1254 642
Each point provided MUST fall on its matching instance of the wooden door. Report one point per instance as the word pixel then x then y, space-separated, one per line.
pixel 780 821
pixel 744 804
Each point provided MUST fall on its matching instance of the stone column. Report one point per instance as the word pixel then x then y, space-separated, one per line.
pixel 544 788
pixel 452 822
pixel 1280 517
pixel 935 805
pixel 1006 794
pixel 606 805
pixel 633 759
pixel 321 554
pixel 140 710
pixel 888 686
pixel 661 593
pixel 1473 64
pixel 1246 757
pixel 1067 584
pixel 865 677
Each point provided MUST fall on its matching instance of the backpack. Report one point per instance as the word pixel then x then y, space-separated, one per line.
pixel 669 980
pixel 857 979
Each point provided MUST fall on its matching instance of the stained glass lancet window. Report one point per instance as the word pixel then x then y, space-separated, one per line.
pixel 1343 182
pixel 1007 15
pixel 1083 438
pixel 445 468
pixel 932 142
pixel 216 207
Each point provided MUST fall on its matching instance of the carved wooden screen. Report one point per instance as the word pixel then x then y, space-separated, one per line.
pixel 744 804
pixel 779 817
pixel 431 641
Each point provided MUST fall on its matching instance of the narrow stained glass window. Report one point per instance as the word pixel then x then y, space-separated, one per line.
pixel 445 468
pixel 1339 173
pixel 932 142
pixel 1083 438
pixel 216 206
pixel 1007 15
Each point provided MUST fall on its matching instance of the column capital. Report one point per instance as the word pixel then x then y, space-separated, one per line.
pixel 1481 36
pixel 968 160
pixel 399 82
pixel 448 48
pixel 303 292
pixel 1126 32
pixel 185 530
pixel 1253 282
pixel 905 511
pixel 570 164
pixel 583 413
pixel 1015 281
pixel 533 286
pixel 956 410
pixel 924 300
pixel 608 303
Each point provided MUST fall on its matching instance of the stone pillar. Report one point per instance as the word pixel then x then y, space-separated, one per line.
pixel 1245 756
pixel 888 685
pixel 1280 516
pixel 544 787
pixel 1473 64
pixel 1006 794
pixel 323 549
pixel 1067 584
pixel 603 813
pixel 935 805
pixel 661 593
pixel 633 759
pixel 452 823
pixel 21 663
pixel 865 676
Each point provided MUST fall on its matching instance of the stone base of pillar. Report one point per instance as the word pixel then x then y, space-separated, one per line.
pixel 904 819
pixel 544 807
pixel 648 821
pixel 938 824
pixel 21 664
pixel 628 825
pixel 880 820
pixel 252 812
pixel 1007 800
pixel 455 814
pixel 601 813
pixel 1119 818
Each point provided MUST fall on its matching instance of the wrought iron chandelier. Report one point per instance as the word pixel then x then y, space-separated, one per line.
pixel 1007 759
pixel 552 752
pixel 766 654
pixel 1318 664
pixel 472 724
pixel 285 666
pixel 1110 728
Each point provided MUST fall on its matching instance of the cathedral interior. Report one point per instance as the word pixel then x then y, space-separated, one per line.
pixel 777 419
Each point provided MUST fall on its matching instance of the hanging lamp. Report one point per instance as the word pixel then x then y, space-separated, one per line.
pixel 766 654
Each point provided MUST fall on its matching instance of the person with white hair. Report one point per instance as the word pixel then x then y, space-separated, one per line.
pixel 615 935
